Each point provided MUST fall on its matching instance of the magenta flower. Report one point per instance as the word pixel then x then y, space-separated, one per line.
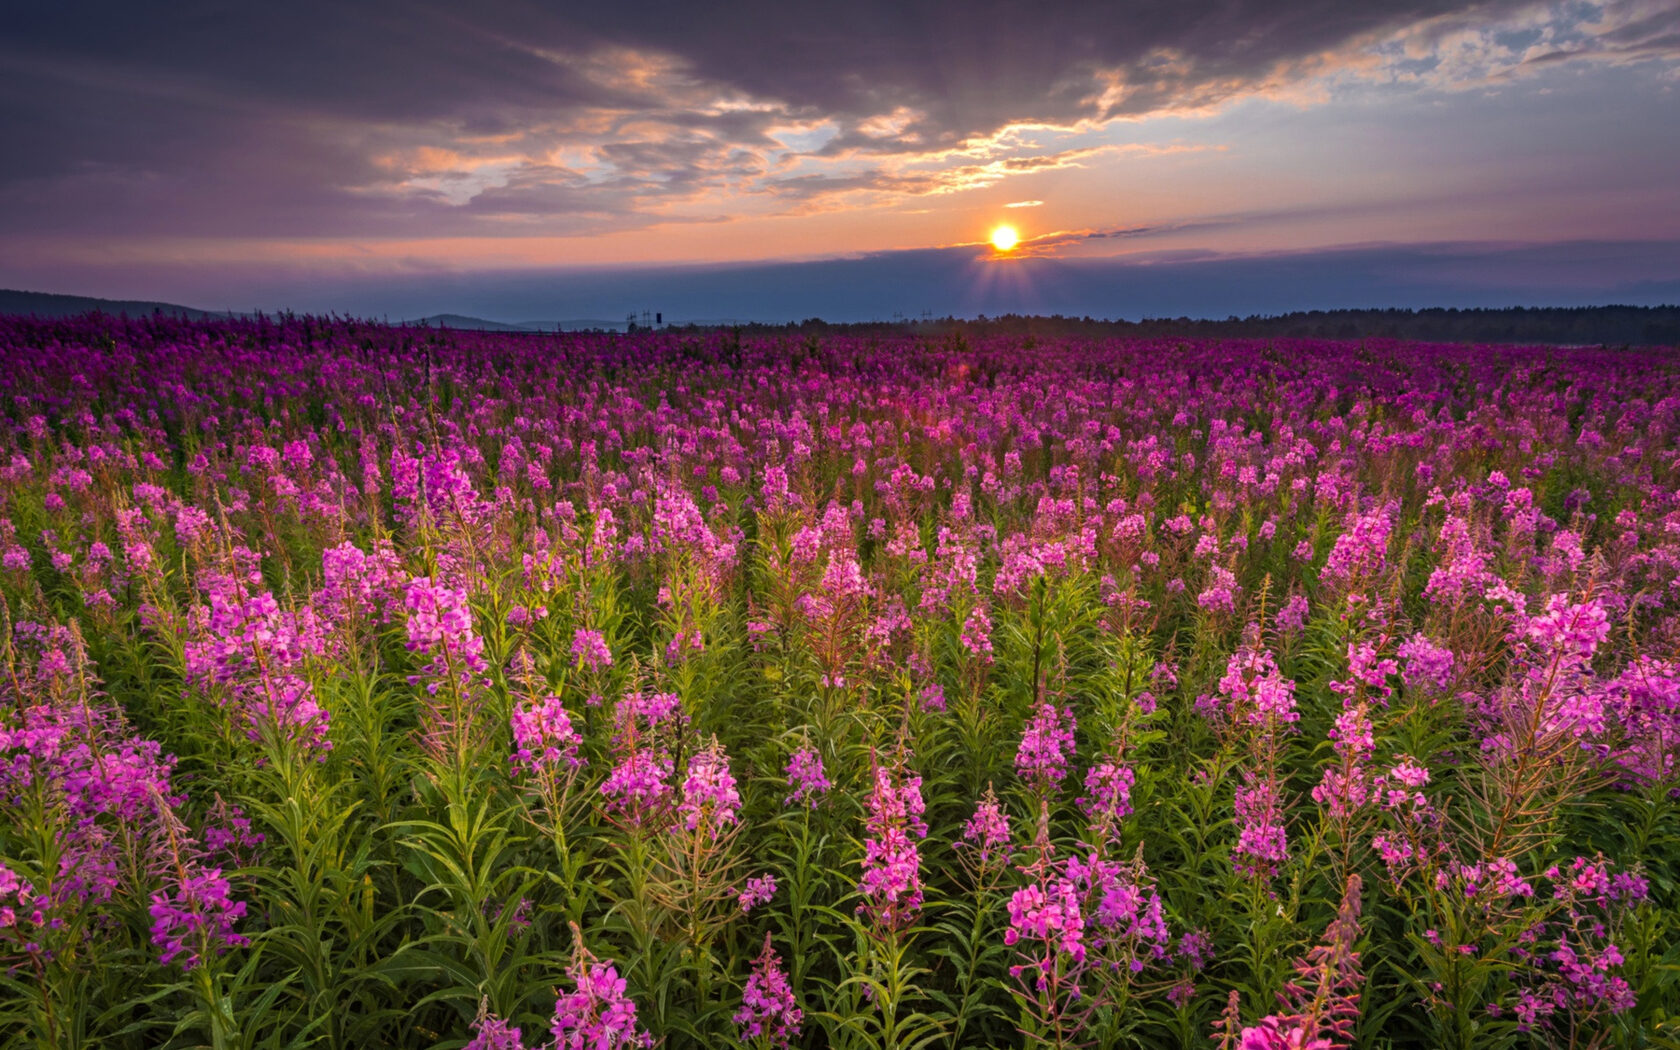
pixel 1108 797
pixel 987 831
pixel 1262 842
pixel 597 1015
pixel 768 1009
pixel 1346 787
pixel 440 625
pixel 1427 665
pixel 1051 913
pixel 639 787
pixel 1256 690
pixel 1362 549
pixel 1042 758
pixel 544 741
pixel 805 776
pixel 491 1033
pixel 709 799
pixel 590 647
pixel 758 890
pixel 892 865
pixel 977 634
pixel 195 917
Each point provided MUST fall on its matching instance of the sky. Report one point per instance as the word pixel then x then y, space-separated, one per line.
pixel 772 161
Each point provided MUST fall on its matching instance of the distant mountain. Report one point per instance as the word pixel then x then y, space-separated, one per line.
pixel 479 324
pixel 1578 325
pixel 576 324
pixel 475 324
pixel 46 304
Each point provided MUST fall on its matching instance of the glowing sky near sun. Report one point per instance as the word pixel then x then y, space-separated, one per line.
pixel 178 152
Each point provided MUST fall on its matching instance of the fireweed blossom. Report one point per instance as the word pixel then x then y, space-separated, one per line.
pixel 709 799
pixel 758 890
pixel 1128 927
pixel 1411 834
pixel 1428 666
pixel 1050 913
pixel 639 717
pixel 258 654
pixel 598 1013
pixel 1565 967
pixel 1489 537
pixel 1345 787
pixel 1262 841
pixel 545 744
pixel 1362 548
pixel 193 917
pixel 892 865
pixel 1256 692
pixel 440 625
pixel 1047 925
pixel 639 788
pixel 987 845
pixel 360 585
pixel 491 1033
pixel 1108 798
pixel 106 798
pixel 987 831
pixel 805 776
pixel 1077 915
pixel 769 1013
pixel 1046 745
pixel 590 648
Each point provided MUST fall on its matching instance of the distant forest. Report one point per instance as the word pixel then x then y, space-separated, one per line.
pixel 1583 325
pixel 1568 326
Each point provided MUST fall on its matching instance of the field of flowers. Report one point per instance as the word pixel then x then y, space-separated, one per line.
pixel 369 686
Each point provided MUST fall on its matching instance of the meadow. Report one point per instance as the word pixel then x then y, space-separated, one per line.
pixel 371 686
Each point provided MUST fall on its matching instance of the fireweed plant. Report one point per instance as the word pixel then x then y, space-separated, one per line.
pixel 370 686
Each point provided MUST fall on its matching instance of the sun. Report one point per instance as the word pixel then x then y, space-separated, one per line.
pixel 1005 238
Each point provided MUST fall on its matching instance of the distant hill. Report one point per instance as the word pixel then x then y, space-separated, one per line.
pixel 1582 325
pixel 46 304
pixel 479 324
pixel 1567 326
pixel 475 324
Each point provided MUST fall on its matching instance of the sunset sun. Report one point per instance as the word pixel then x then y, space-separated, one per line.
pixel 1005 237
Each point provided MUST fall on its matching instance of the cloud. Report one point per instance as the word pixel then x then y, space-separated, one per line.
pixel 964 282
pixel 425 117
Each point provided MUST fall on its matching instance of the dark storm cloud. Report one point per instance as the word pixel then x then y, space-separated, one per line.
pixel 972 65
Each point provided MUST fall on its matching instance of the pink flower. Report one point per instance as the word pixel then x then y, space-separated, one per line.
pixel 709 798
pixel 805 777
pixel 768 1008
pixel 543 738
pixel 490 1033
pixel 1256 691
pixel 1046 746
pixel 987 831
pixel 195 917
pixel 758 891
pixel 598 1015
pixel 1108 797
pixel 639 786
pixel 590 647
pixel 892 866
